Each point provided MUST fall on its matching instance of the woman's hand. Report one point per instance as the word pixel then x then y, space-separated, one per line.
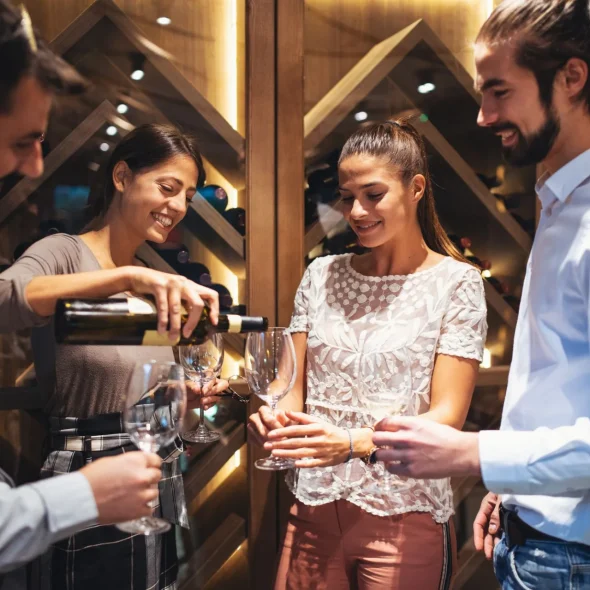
pixel 208 395
pixel 310 441
pixel 170 291
pixel 261 423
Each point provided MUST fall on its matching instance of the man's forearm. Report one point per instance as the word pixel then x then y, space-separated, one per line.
pixel 546 461
pixel 34 516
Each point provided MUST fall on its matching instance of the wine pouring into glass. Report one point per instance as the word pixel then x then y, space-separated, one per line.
pixel 202 365
pixel 271 368
pixel 154 409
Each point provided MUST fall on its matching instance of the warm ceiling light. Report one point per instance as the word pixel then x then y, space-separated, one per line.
pixel 163 20
pixel 122 108
pixel 104 147
pixel 361 116
pixel 137 63
pixel 111 130
pixel 426 88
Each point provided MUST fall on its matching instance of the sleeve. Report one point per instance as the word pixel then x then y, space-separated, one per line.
pixel 464 325
pixel 54 255
pixel 548 462
pixel 34 516
pixel 300 317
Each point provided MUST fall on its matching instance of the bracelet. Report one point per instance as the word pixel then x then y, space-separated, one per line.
pixel 350 441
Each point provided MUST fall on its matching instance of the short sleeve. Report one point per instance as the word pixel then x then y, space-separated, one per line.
pixel 55 255
pixel 464 325
pixel 300 317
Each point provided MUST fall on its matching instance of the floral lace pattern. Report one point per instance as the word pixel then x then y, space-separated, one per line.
pixel 381 334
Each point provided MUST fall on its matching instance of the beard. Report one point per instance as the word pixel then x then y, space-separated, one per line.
pixel 534 148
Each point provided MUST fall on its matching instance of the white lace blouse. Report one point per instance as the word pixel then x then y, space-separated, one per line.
pixel 368 334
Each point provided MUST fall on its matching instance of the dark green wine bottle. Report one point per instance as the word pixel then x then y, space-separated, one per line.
pixel 133 321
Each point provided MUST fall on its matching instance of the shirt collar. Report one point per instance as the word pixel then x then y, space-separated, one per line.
pixel 561 184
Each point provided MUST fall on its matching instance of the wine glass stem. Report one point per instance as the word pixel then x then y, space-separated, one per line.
pixel 202 425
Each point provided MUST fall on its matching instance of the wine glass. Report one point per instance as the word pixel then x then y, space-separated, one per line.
pixel 154 409
pixel 270 368
pixel 202 364
pixel 383 404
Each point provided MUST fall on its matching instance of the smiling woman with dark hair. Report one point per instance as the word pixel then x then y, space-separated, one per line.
pixel 152 175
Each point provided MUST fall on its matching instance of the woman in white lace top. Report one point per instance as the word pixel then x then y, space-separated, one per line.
pixel 406 321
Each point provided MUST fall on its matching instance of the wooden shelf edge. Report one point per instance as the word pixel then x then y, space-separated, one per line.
pixel 65 149
pixel 321 120
pixel 329 219
pixel 159 58
pixel 468 176
pixel 207 466
pixel 369 71
pixel 214 552
pixel 502 308
pixel 218 223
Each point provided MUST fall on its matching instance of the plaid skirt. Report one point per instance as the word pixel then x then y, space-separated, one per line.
pixel 102 557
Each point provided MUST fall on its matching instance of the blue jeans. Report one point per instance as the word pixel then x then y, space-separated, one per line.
pixel 542 565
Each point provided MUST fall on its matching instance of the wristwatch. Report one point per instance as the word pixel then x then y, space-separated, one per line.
pixel 369 458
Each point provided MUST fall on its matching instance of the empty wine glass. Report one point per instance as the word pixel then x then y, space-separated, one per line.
pixel 383 404
pixel 154 409
pixel 202 364
pixel 270 368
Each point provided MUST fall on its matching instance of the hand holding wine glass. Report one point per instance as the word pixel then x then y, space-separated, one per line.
pixel 154 409
pixel 202 365
pixel 271 368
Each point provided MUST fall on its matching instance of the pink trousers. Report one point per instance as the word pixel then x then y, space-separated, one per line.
pixel 339 546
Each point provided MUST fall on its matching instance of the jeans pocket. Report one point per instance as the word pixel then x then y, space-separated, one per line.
pixel 514 566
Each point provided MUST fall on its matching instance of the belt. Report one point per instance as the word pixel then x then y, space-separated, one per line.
pixel 519 532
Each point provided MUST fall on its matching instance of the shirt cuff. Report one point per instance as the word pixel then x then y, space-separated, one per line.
pixel 504 458
pixel 69 502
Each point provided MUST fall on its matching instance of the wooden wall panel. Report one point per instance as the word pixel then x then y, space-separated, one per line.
pixel 261 257
pixel 340 32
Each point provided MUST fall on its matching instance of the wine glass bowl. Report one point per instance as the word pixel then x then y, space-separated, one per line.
pixel 271 368
pixel 154 410
pixel 202 364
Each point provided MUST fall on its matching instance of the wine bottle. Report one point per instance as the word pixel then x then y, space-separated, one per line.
pixel 177 256
pixel 215 195
pixel 225 299
pixel 483 264
pixel 133 321
pixel 323 184
pixel 460 243
pixel 237 218
pixel 198 273
pixel 500 286
pixel 490 181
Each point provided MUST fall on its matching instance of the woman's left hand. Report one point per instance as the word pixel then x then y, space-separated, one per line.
pixel 208 394
pixel 310 441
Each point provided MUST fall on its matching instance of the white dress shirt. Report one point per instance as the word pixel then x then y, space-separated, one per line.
pixel 34 516
pixel 540 459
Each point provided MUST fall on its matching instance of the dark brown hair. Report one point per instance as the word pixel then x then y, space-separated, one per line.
pixel 24 53
pixel 143 148
pixel 402 146
pixel 545 35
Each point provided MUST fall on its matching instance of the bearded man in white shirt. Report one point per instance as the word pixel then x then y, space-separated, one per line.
pixel 533 61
